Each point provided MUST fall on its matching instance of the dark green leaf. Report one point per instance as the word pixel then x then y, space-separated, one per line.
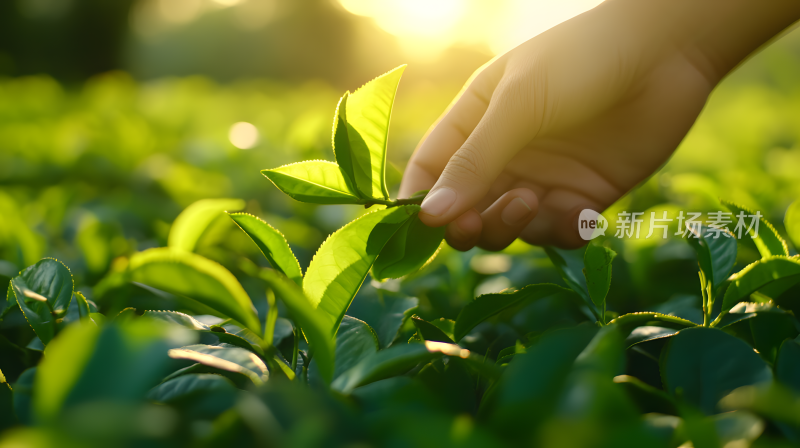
pixel 430 332
pixel 314 181
pixel 315 326
pixel 769 330
pixel 397 360
pixel 570 265
pixel 207 283
pixel 368 112
pixel 225 357
pixel 488 305
pixel 701 365
pixel 787 365
pixel 234 337
pixel 533 380
pixel 716 256
pixel 757 275
pixel 597 261
pixel 23 396
pixel 192 384
pixel 43 292
pixel 411 247
pixel 119 361
pixel 355 340
pixel 271 243
pixel 627 322
pixel 195 219
pixel 342 262
pixel 768 241
pixel 384 311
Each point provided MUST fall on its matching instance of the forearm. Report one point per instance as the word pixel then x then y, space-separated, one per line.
pixel 719 33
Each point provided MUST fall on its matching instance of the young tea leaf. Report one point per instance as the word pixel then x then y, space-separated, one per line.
pixel 195 219
pixel 43 292
pixel 768 241
pixel 758 275
pixel 199 279
pixel 488 305
pixel 314 181
pixel 597 261
pixel 368 112
pixel 342 262
pixel 701 365
pixel 716 256
pixel 351 171
pixel 316 327
pixel 408 250
pixel 272 244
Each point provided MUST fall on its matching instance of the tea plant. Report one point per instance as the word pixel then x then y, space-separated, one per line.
pixel 214 370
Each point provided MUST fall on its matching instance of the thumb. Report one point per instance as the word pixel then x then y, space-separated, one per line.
pixel 469 174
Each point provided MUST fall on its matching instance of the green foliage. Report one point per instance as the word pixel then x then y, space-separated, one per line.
pixel 768 241
pixel 702 365
pixel 597 260
pixel 43 293
pixel 792 223
pixel 271 243
pixel 207 286
pixel 195 219
pixel 408 249
pixel 194 344
pixel 343 261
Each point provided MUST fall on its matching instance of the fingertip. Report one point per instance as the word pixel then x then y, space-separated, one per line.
pixel 463 233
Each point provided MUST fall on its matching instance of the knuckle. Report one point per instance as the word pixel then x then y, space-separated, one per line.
pixel 466 165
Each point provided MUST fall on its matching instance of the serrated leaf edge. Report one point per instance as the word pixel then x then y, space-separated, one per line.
pixel 273 228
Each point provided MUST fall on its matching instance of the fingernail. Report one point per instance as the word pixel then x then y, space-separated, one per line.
pixel 438 203
pixel 515 212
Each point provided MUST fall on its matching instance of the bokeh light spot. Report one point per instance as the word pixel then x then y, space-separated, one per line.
pixel 243 135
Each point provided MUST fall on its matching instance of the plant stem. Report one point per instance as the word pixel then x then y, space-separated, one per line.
pixel 704 292
pixel 272 317
pixel 296 348
pixel 398 202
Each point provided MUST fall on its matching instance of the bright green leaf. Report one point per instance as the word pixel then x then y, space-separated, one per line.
pixel 342 262
pixel 315 326
pixel 225 357
pixel 43 292
pixel 411 247
pixel 627 322
pixel 195 219
pixel 488 305
pixel 199 279
pixel 757 275
pixel 768 241
pixel 342 151
pixel 272 244
pixel 597 261
pixel 792 223
pixel 716 256
pixel 82 304
pixel 368 112
pixel 315 181
pixel 701 365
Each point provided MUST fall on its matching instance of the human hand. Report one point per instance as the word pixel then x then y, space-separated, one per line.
pixel 574 118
